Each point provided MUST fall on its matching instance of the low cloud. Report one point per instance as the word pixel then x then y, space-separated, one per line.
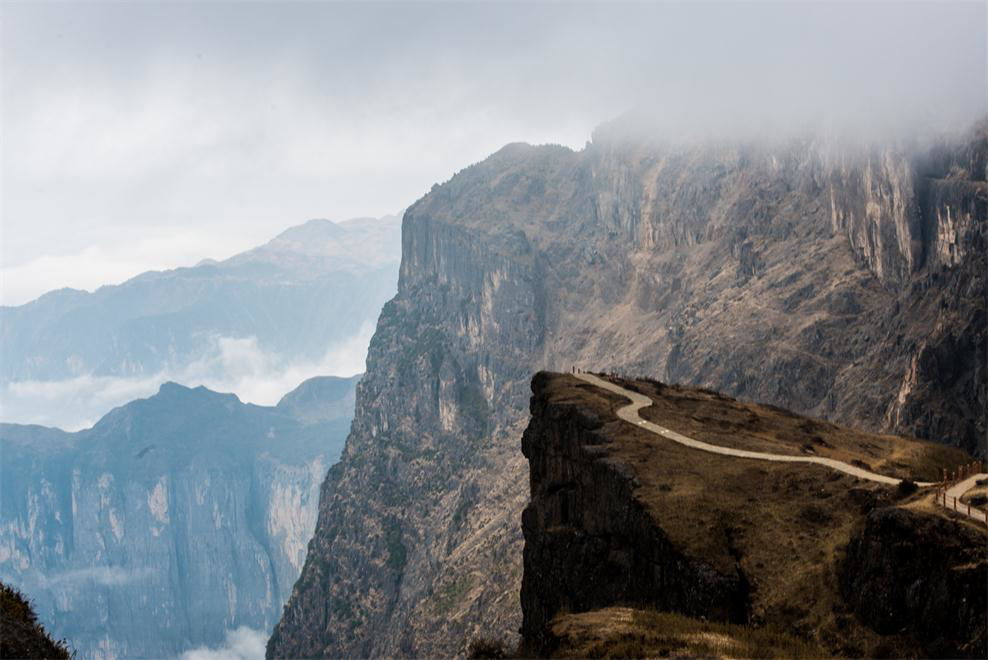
pixel 104 576
pixel 242 643
pixel 235 364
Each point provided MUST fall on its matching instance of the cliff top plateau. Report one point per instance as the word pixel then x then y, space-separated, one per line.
pixel 621 516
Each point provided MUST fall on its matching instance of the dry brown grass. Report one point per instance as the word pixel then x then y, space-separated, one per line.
pixel 620 632
pixel 783 526
pixel 721 420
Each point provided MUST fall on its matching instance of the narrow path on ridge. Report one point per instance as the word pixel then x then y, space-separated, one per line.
pixel 630 414
pixel 951 498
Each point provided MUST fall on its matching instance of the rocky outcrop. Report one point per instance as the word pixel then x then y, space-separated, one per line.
pixel 173 520
pixel 619 518
pixel 713 264
pixel 590 543
pixel 907 570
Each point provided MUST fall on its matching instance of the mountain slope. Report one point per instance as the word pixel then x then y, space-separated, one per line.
pixel 70 356
pixel 841 282
pixel 174 519
pixel 621 516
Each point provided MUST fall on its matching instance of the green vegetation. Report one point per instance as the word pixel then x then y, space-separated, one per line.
pixel 483 648
pixel 22 636
pixel 474 407
pixel 906 488
pixel 451 594
pixel 429 342
pixel 397 553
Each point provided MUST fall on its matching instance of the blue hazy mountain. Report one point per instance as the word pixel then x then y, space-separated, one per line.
pixel 292 306
pixel 173 520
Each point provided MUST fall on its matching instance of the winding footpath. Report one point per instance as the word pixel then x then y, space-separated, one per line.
pixel 630 414
pixel 951 498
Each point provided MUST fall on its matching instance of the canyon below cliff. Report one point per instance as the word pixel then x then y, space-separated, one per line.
pixel 844 282
pixel 173 521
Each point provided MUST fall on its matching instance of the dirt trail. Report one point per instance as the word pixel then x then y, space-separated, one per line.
pixel 630 414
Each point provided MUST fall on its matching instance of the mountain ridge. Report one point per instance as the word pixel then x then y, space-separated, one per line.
pixel 288 308
pixel 172 520
pixel 735 268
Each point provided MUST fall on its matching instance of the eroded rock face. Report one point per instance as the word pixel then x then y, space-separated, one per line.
pixel 915 571
pixel 589 543
pixel 715 265
pixel 174 520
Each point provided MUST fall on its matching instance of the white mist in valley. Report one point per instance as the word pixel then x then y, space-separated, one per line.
pixel 235 364
pixel 242 643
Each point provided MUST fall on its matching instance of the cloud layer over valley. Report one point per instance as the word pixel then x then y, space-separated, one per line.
pixel 236 364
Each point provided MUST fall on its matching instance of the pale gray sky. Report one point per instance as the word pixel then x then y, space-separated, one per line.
pixel 150 135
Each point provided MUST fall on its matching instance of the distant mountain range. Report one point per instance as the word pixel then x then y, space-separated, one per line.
pixel 173 520
pixel 257 323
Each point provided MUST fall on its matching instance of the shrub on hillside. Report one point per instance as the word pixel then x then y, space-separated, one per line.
pixel 22 636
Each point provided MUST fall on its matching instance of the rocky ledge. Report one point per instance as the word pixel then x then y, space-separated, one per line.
pixel 621 517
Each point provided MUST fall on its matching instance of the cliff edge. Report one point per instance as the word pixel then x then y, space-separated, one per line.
pixel 843 283
pixel 621 517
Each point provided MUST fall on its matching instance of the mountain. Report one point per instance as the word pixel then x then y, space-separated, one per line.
pixel 840 281
pixel 801 552
pixel 294 305
pixel 170 522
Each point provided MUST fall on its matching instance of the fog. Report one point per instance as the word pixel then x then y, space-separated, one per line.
pixel 211 125
pixel 235 364
pixel 242 643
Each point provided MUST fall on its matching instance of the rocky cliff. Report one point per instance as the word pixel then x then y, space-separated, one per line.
pixel 797 273
pixel 847 566
pixel 173 520
pixel 909 570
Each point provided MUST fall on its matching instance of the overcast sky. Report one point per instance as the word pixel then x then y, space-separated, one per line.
pixel 151 135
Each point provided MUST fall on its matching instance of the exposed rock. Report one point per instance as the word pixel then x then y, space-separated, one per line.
pixel 173 520
pixel 908 570
pixel 715 265
pixel 619 517
pixel 590 543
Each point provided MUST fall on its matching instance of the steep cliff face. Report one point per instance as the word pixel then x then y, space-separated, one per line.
pixel 719 265
pixel 620 518
pixel 907 570
pixel 173 520
pixel 590 543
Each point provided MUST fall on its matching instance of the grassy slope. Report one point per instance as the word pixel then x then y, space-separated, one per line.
pixel 784 526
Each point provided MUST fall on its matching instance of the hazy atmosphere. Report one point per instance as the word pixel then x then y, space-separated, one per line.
pixel 493 329
pixel 152 135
